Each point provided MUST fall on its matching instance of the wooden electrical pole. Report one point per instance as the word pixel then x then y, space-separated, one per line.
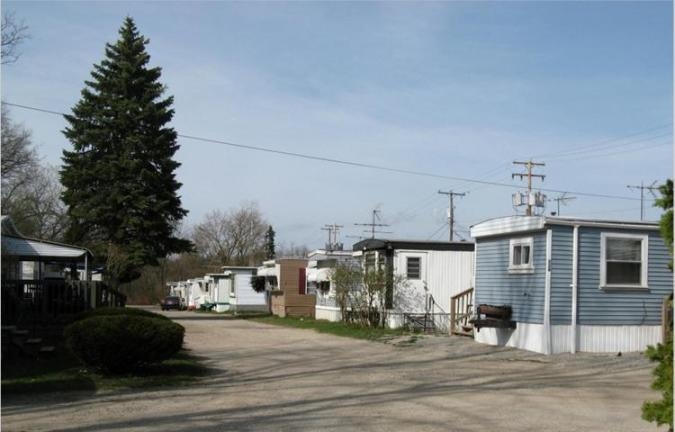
pixel 333 231
pixel 529 164
pixel 451 210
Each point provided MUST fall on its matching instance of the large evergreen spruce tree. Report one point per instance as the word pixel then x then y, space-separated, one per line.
pixel 119 178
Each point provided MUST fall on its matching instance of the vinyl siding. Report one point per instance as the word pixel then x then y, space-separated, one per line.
pixel 621 307
pixel 495 285
pixel 245 295
pixel 561 275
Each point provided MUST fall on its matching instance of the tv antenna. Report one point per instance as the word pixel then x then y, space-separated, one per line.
pixel 562 199
pixel 375 219
pixel 651 188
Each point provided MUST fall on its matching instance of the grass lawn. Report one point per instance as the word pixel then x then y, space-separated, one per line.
pixel 232 315
pixel 63 372
pixel 336 328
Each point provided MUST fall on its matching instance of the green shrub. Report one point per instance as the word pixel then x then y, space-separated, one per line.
pixel 110 311
pixel 661 411
pixel 122 343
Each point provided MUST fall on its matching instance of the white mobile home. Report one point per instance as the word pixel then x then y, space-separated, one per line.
pixel 433 271
pixel 240 294
pixel 197 293
pixel 319 270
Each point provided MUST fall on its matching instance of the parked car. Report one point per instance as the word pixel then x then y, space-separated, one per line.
pixel 170 302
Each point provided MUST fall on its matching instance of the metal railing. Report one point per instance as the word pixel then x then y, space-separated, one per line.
pixel 427 322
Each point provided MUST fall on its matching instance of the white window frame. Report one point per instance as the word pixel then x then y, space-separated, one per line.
pixel 521 268
pixel 644 264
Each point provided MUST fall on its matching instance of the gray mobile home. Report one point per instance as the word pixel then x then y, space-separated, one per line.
pixel 573 284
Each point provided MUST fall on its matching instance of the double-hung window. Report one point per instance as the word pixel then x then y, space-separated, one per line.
pixel 623 260
pixel 520 255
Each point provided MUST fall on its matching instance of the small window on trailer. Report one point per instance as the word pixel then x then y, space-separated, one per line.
pixel 520 255
pixel 623 260
pixel 413 269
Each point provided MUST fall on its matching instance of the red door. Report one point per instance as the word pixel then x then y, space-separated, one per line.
pixel 302 281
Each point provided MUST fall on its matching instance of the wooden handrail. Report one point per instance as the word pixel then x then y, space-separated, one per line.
pixel 460 305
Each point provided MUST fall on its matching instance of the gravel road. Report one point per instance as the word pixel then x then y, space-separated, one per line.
pixel 269 378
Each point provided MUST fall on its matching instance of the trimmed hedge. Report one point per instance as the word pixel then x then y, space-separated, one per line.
pixel 121 343
pixel 110 311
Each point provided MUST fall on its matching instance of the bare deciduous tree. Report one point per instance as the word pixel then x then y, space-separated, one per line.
pixel 293 251
pixel 37 208
pixel 13 34
pixel 31 192
pixel 19 158
pixel 235 237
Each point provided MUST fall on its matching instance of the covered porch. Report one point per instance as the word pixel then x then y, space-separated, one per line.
pixel 40 279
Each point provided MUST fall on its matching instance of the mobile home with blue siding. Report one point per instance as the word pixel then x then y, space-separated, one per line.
pixel 573 284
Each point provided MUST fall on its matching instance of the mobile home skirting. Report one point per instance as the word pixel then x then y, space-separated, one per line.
pixel 328 313
pixel 595 339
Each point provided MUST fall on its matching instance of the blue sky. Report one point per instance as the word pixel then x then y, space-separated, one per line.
pixel 458 89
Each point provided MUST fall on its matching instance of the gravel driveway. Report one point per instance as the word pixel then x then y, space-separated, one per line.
pixel 270 378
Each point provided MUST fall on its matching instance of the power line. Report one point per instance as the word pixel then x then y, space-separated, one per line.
pixel 602 144
pixel 355 164
pixel 598 146
pixel 437 231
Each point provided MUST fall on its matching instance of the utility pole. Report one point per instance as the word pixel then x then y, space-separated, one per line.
pixel 562 199
pixel 333 231
pixel 642 188
pixel 451 210
pixel 529 164
pixel 373 224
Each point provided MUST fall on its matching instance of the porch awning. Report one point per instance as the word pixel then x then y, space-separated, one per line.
pixel 318 275
pixel 36 250
pixel 267 271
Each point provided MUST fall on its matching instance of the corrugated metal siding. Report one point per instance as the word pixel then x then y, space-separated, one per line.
pixel 445 273
pixel 621 307
pixel 561 275
pixel 448 273
pixel 495 285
